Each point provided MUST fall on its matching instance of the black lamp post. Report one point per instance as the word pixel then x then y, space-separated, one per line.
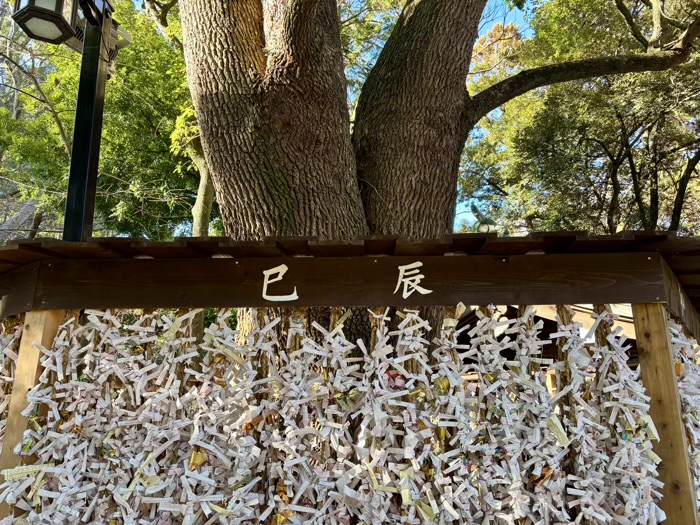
pixel 59 21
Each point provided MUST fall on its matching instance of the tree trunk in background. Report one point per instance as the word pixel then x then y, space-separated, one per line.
pixel 412 119
pixel 679 201
pixel 273 116
pixel 201 211
pixel 201 215
pixel 36 225
pixel 19 225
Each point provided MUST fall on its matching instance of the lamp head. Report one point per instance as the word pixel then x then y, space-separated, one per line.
pixel 50 21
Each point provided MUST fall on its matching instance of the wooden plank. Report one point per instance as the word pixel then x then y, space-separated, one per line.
pixel 246 249
pixel 422 247
pixel 73 250
pixel 39 326
pixel 380 244
pixel 533 243
pixel 13 253
pixel 659 378
pixel 17 289
pixel 689 280
pixel 555 242
pixel 35 247
pixel 178 249
pixel 601 243
pixel 469 243
pixel 205 246
pixel 358 281
pixel 679 303
pixel 121 246
pixel 326 248
pixel 678 263
pixel 511 246
pixel 293 246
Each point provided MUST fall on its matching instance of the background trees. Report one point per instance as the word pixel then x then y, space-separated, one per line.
pixel 602 155
pixel 144 187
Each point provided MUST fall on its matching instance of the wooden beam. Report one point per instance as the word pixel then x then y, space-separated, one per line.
pixel 659 378
pixel 678 302
pixel 17 288
pixel 39 326
pixel 349 281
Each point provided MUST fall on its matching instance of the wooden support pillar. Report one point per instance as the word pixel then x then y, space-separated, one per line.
pixel 39 326
pixel 659 378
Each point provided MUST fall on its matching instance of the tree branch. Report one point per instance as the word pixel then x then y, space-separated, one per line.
pixel 671 21
pixel 44 99
pixel 636 32
pixel 691 34
pixel 636 183
pixel 615 196
pixel 660 31
pixel 512 87
pixel 679 201
pixel 158 12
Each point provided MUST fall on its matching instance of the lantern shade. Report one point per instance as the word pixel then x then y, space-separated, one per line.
pixel 46 20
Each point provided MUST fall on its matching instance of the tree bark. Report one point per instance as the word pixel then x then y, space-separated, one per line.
pixel 274 125
pixel 201 211
pixel 410 127
pixel 36 225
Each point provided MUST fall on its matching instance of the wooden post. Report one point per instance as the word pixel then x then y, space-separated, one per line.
pixel 659 378
pixel 40 326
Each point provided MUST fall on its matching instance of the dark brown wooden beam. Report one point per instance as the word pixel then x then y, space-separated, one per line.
pixel 346 281
pixel 17 289
pixel 678 302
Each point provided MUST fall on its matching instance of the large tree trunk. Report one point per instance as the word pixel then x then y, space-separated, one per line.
pixel 270 94
pixel 267 81
pixel 412 119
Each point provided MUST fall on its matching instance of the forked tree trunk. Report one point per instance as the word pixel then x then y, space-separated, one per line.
pixel 274 118
pixel 268 86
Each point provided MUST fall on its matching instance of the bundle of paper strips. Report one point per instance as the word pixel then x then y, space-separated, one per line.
pixel 687 356
pixel 10 334
pixel 134 422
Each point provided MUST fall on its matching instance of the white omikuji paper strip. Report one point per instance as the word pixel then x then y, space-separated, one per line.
pixel 412 428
